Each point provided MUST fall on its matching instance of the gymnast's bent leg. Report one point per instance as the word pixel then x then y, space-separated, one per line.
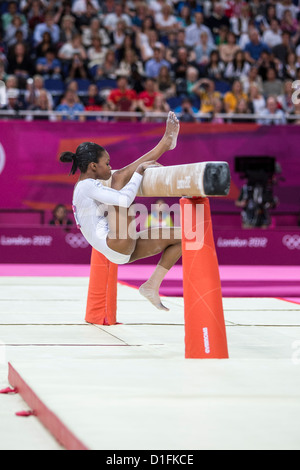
pixel 166 240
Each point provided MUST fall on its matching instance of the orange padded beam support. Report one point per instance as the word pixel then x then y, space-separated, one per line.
pixel 205 333
pixel 101 308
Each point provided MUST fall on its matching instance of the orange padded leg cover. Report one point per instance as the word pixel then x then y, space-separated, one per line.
pixel 205 334
pixel 101 308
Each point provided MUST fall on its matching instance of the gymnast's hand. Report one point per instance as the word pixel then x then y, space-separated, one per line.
pixel 143 167
pixel 172 130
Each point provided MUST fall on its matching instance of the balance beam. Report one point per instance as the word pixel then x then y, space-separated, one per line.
pixel 205 333
pixel 200 179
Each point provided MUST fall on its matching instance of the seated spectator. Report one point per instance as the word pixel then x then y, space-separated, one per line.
pixel 69 49
pixel 73 57
pixel 232 98
pixel 70 107
pixel 252 78
pixel 265 16
pixel 176 40
pixel 154 65
pixel 111 19
pixel 289 23
pixel 93 101
pixel 147 97
pixel 42 103
pixel 13 101
pixel 93 29
pixel 160 106
pixel 255 47
pixel 281 51
pixel 192 32
pixel 77 68
pixel 272 86
pixel 192 76
pixel 122 98
pixel 118 35
pixel 264 63
pixel 109 67
pixel 34 12
pixel 272 36
pixel 44 45
pixel 291 66
pixel 165 83
pixel 50 26
pixel 243 108
pixel 147 45
pixel 203 49
pixel 273 114
pixel 128 44
pixel 215 68
pixel 165 21
pixel 130 63
pixel 229 49
pixel 217 20
pixel 20 64
pixel 238 68
pixel 205 90
pixel 139 14
pixel 79 7
pixel 239 23
pixel 183 62
pixel 60 216
pixel 33 89
pixel 257 101
pixel 184 16
pixel 283 6
pixel 12 10
pixel 285 100
pixel 95 54
pixel 49 66
pixel 14 26
pixel 142 33
pixel 187 110
pixel 68 29
pixel 217 108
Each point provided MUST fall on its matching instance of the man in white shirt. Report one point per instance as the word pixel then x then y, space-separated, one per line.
pixel 111 19
pixel 192 32
pixel 79 7
pixel 272 36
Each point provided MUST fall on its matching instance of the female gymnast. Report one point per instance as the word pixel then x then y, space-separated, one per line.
pixel 103 215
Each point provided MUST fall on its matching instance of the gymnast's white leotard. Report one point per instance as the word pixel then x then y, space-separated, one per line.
pixel 90 205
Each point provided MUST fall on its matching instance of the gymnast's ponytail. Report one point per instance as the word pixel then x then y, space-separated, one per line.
pixel 70 157
pixel 86 153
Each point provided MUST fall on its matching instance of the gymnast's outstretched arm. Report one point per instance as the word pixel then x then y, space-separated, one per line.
pixel 167 142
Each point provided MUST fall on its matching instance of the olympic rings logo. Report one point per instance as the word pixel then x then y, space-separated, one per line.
pixel 292 242
pixel 76 240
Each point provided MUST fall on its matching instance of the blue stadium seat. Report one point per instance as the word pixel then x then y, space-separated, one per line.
pixel 222 86
pixel 55 86
pixel 83 85
pixel 106 83
pixel 174 101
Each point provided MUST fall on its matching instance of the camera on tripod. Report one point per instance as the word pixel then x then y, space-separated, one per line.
pixel 256 197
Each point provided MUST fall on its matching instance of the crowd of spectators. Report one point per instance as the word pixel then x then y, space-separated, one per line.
pixel 195 56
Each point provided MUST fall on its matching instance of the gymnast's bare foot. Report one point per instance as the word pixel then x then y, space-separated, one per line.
pixel 153 296
pixel 172 130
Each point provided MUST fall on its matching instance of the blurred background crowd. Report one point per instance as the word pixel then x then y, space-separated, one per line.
pixel 195 56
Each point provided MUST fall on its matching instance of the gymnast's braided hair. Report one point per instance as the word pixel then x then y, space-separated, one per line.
pixel 86 153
